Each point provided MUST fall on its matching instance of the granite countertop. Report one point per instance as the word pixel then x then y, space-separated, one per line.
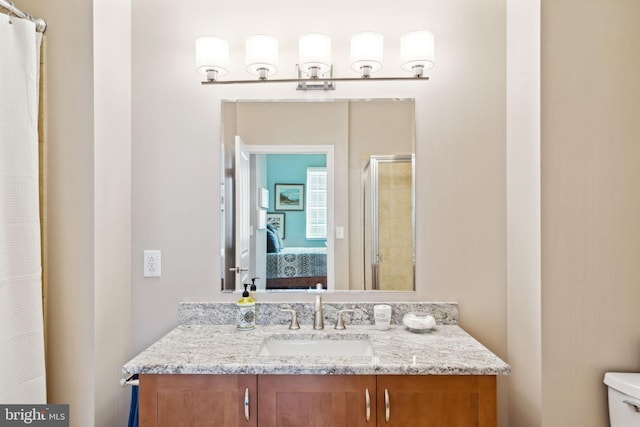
pixel 221 349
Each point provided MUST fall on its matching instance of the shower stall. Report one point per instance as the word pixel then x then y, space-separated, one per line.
pixel 388 183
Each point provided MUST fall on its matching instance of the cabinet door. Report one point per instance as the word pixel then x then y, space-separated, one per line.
pixel 198 400
pixel 438 401
pixel 316 400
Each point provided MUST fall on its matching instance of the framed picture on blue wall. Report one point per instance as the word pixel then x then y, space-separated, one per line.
pixel 289 197
pixel 276 220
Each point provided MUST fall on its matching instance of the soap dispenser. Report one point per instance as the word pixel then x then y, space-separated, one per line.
pixel 246 319
pixel 253 288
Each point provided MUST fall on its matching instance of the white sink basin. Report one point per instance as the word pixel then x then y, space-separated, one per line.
pixel 325 345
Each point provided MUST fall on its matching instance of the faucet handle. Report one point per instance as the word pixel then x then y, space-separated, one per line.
pixel 294 318
pixel 340 321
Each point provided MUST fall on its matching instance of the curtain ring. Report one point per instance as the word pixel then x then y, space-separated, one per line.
pixel 10 14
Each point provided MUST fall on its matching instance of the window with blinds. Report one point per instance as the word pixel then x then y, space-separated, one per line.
pixel 316 203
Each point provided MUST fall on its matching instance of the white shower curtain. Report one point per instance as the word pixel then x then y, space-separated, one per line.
pixel 22 367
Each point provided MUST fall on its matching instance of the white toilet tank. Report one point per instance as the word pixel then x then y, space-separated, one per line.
pixel 624 398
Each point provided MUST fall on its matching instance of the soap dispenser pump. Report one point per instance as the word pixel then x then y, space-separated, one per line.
pixel 253 288
pixel 246 319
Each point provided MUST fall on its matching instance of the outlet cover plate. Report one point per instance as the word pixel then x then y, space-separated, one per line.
pixel 152 263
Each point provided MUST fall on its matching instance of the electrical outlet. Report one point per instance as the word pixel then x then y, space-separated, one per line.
pixel 152 263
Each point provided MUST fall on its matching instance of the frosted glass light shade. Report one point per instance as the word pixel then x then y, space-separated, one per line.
pixel 261 53
pixel 417 49
pixel 212 54
pixel 314 50
pixel 366 51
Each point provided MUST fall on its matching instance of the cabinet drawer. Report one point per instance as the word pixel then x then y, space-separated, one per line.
pixel 316 400
pixel 198 400
pixel 438 401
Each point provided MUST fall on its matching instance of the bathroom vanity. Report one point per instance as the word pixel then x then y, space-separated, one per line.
pixel 212 374
pixel 324 400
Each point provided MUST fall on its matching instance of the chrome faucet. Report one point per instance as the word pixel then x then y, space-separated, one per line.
pixel 318 319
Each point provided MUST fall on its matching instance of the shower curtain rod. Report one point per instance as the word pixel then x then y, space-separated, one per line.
pixel 41 25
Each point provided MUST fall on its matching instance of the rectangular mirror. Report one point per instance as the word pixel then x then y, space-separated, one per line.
pixel 318 192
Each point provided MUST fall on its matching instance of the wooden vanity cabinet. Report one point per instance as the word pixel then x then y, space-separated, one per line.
pixel 197 400
pixel 438 401
pixel 394 400
pixel 316 400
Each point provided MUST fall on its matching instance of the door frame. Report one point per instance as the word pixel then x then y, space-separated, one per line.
pixel 327 150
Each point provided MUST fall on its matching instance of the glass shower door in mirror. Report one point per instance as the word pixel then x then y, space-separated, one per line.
pixel 388 224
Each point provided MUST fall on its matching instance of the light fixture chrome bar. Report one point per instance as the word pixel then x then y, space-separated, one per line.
pixel 318 82
pixel 315 82
pixel 41 25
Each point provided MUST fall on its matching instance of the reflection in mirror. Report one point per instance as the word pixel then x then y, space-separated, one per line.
pixel 389 242
pixel 309 179
pixel 296 246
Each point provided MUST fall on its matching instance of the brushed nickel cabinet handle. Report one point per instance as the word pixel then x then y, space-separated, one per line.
pixel 246 404
pixel 368 403
pixel 634 405
pixel 387 405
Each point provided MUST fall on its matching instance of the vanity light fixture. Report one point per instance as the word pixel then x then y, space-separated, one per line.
pixel 314 54
pixel 212 57
pixel 314 68
pixel 261 55
pixel 366 53
pixel 416 52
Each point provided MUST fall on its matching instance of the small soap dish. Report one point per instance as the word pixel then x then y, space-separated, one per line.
pixel 419 322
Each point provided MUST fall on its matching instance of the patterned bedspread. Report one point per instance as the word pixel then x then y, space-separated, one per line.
pixel 297 262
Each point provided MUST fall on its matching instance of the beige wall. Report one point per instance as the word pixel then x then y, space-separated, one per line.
pixel 590 204
pixel 582 319
pixel 112 201
pixel 523 214
pixel 70 207
pixel 386 127
pixel 460 146
pixel 88 212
